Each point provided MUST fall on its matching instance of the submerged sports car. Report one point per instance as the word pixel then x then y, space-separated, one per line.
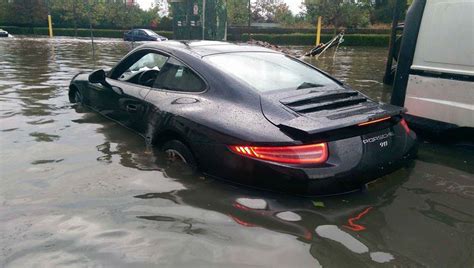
pixel 250 115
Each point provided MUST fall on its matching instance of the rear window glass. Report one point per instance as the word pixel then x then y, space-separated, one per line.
pixel 269 71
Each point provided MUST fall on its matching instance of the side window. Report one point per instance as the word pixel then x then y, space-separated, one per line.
pixel 144 70
pixel 176 76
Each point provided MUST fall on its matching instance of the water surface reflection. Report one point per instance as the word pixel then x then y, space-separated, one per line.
pixel 80 190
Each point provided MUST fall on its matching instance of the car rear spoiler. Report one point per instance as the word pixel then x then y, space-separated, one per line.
pixel 311 126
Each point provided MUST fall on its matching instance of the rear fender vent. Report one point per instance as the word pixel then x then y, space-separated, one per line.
pixel 323 100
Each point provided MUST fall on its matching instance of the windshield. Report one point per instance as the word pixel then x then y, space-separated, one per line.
pixel 269 71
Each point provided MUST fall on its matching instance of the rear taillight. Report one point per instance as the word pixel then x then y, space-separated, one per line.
pixel 301 154
pixel 405 125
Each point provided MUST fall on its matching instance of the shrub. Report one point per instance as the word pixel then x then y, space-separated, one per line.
pixel 354 16
pixel 302 39
pixel 255 30
pixel 309 39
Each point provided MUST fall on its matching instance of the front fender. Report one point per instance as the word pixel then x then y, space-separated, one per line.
pixel 78 82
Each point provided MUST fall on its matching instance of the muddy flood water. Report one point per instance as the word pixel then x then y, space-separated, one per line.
pixel 78 190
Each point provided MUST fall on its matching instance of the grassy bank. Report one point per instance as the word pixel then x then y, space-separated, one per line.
pixel 303 39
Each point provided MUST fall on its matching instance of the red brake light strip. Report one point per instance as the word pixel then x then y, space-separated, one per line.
pixel 300 154
pixel 374 121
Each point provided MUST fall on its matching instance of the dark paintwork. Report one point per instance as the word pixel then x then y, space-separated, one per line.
pixel 230 112
pixel 142 35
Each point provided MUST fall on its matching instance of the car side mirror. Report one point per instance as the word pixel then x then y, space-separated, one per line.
pixel 98 76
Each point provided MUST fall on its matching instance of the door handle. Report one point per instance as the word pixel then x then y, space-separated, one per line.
pixel 132 108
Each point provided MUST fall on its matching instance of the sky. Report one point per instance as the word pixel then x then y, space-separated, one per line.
pixel 293 4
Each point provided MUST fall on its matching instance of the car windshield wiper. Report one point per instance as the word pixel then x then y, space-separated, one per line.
pixel 308 85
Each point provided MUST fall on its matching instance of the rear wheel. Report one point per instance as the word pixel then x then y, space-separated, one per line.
pixel 178 152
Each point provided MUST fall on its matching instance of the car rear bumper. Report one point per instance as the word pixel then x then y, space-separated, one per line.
pixel 347 170
pixel 357 178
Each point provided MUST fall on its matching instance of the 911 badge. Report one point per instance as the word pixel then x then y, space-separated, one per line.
pixel 383 144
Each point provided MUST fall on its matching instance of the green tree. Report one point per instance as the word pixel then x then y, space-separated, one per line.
pixel 330 10
pixel 383 10
pixel 237 12
pixel 339 12
pixel 355 15
pixel 26 13
pixel 283 14
pixel 149 18
pixel 69 12
pixel 271 11
pixel 79 13
pixel 3 11
pixel 120 15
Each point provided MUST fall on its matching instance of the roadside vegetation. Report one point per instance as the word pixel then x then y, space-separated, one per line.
pixel 81 14
pixel 365 22
pixel 336 14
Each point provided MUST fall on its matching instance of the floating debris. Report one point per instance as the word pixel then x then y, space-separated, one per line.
pixel 291 52
pixel 321 48
pixel 315 51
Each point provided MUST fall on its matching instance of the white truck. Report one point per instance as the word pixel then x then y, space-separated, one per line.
pixel 434 78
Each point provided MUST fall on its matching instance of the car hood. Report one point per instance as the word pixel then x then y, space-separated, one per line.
pixel 317 110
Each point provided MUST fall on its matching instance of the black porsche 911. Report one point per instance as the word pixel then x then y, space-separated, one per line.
pixel 250 115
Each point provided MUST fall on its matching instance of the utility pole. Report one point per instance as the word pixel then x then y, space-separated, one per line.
pixel 90 28
pixel 203 19
pixel 318 31
pixel 50 23
pixel 249 20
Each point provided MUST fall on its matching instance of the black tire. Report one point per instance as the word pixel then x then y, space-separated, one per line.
pixel 178 152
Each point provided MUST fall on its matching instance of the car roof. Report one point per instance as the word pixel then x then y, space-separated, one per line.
pixel 205 48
